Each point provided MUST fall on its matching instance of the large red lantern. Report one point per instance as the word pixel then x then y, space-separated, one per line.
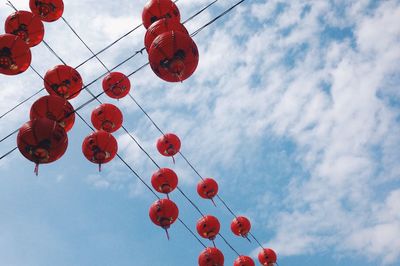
pixel 107 117
pixel 15 55
pixel 244 261
pixel 100 147
pixel 160 27
pixel 168 145
pixel 163 213
pixel 158 9
pixel 173 56
pixel 207 188
pixel 42 141
pixel 63 81
pixel 267 257
pixel 47 10
pixel 54 108
pixel 164 180
pixel 27 26
pixel 208 227
pixel 211 257
pixel 116 85
pixel 241 226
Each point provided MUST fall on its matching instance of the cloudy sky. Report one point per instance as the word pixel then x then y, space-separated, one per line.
pixel 294 110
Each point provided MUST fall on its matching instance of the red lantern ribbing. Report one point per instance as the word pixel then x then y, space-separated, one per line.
pixel 211 257
pixel 116 85
pixel 107 117
pixel 164 180
pixel 15 55
pixel 244 261
pixel 208 227
pixel 100 147
pixel 267 257
pixel 158 9
pixel 164 213
pixel 27 26
pixel 42 141
pixel 63 81
pixel 241 226
pixel 207 188
pixel 173 56
pixel 54 108
pixel 47 10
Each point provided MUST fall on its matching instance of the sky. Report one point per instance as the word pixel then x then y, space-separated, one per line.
pixel 293 109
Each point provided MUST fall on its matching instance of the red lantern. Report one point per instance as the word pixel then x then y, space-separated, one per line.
pixel 163 213
pixel 107 117
pixel 207 188
pixel 168 145
pixel 116 85
pixel 244 261
pixel 27 26
pixel 100 147
pixel 208 227
pixel 160 27
pixel 15 55
pixel 241 226
pixel 173 56
pixel 158 9
pixel 164 180
pixel 267 257
pixel 54 108
pixel 47 10
pixel 211 257
pixel 42 141
pixel 63 81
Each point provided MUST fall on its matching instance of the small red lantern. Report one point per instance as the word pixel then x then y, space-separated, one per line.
pixel 267 257
pixel 168 145
pixel 207 188
pixel 160 27
pixel 63 81
pixel 173 56
pixel 116 85
pixel 107 117
pixel 158 9
pixel 241 226
pixel 42 141
pixel 47 10
pixel 164 180
pixel 211 257
pixel 100 147
pixel 244 261
pixel 208 227
pixel 15 55
pixel 27 26
pixel 163 213
pixel 54 108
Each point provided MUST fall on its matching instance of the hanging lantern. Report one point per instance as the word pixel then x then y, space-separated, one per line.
pixel 164 213
pixel 241 226
pixel 267 257
pixel 160 27
pixel 211 257
pixel 207 189
pixel 107 117
pixel 158 9
pixel 63 81
pixel 116 85
pixel 54 108
pixel 164 180
pixel 27 26
pixel 244 261
pixel 100 147
pixel 42 141
pixel 173 56
pixel 47 10
pixel 15 55
pixel 208 227
pixel 168 145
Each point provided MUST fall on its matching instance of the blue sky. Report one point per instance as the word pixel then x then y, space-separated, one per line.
pixel 293 109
